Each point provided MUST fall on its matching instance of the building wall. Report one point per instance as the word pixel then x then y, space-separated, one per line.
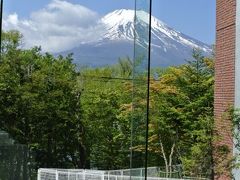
pixel 224 79
pixel 236 172
pixel 237 62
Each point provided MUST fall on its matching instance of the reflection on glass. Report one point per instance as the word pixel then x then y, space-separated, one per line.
pixel 140 88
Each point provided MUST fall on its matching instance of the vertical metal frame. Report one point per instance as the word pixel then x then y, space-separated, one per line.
pixel 1 19
pixel 141 85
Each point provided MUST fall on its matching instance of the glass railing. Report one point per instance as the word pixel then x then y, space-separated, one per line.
pixel 140 99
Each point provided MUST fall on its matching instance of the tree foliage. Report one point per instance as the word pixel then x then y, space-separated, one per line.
pixel 40 104
pixel 81 118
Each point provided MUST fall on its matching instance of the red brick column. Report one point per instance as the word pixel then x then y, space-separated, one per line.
pixel 224 78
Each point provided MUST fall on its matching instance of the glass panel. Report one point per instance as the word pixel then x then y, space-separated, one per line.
pixel 140 87
pixel 181 104
pixel 76 111
pixel 72 111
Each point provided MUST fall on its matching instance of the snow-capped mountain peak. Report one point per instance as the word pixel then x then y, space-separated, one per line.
pixel 120 16
pixel 169 47
pixel 120 26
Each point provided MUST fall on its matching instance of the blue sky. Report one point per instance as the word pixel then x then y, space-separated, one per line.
pixel 192 17
pixel 195 18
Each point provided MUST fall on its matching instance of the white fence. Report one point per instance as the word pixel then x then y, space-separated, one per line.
pixel 80 174
pixel 124 174
pixel 151 172
pixel 68 174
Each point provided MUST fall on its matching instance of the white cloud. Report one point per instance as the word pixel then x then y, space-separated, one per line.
pixel 60 26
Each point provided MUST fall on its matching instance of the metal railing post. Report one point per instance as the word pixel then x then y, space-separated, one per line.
pixel 84 175
pixel 56 174
pixel 39 174
pixel 103 176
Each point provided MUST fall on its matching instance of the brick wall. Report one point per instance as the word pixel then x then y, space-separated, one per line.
pixel 224 77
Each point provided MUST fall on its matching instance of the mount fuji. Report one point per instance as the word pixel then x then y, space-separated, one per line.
pixel 169 47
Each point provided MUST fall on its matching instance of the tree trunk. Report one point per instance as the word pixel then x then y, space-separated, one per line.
pixel 164 155
pixel 170 159
pixel 82 158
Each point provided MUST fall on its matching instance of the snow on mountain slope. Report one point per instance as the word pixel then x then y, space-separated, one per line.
pixel 120 25
pixel 169 47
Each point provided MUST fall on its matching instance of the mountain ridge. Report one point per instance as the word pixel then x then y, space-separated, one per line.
pixel 169 47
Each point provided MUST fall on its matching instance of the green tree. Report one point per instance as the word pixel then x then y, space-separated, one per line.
pixel 107 129
pixel 183 115
pixel 40 104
